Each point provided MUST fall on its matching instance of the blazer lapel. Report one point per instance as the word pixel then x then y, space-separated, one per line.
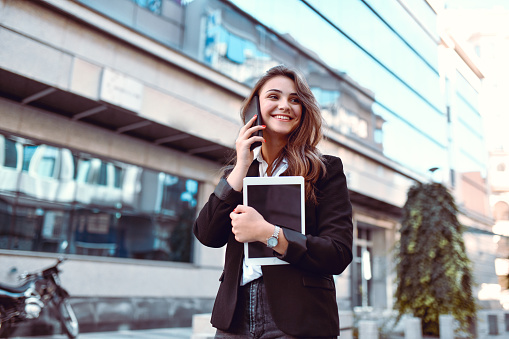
pixel 254 169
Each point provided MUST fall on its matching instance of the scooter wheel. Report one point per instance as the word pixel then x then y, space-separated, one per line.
pixel 68 319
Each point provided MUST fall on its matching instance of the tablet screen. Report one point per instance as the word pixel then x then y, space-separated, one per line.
pixel 280 200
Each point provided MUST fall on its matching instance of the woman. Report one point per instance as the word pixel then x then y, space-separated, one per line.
pixel 281 301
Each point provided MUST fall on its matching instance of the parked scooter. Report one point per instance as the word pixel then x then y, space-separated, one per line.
pixel 39 290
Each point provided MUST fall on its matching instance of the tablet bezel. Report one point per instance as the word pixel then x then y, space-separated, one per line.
pixel 282 180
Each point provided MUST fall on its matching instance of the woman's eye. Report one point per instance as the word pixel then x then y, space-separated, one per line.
pixel 272 96
pixel 295 100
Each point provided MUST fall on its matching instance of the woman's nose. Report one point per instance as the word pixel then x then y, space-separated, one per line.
pixel 283 104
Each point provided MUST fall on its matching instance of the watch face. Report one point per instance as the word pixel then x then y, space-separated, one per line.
pixel 272 242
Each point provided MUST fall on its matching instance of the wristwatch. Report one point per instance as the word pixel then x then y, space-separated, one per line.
pixel 273 240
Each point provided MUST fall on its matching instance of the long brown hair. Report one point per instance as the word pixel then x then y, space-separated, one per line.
pixel 304 159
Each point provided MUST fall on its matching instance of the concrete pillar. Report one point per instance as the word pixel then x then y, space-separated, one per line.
pixel 413 328
pixel 346 324
pixel 446 322
pixel 202 329
pixel 368 329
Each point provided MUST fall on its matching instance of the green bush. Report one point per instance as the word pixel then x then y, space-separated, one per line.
pixel 433 271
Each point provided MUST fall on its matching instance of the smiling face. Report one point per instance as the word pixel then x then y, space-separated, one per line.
pixel 280 107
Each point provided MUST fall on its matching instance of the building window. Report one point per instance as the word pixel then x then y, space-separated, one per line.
pixel 10 158
pixel 501 167
pixel 152 5
pixel 501 211
pixel 362 267
pixel 73 203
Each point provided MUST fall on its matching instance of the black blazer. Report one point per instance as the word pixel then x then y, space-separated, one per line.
pixel 302 295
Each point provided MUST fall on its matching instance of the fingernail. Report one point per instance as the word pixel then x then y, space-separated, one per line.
pixel 234 210
pixel 264 126
pixel 264 140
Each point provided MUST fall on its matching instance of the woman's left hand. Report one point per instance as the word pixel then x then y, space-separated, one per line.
pixel 248 225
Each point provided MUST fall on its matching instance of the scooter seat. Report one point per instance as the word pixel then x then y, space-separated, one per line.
pixel 14 289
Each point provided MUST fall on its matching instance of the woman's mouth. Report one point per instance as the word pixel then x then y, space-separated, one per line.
pixel 282 117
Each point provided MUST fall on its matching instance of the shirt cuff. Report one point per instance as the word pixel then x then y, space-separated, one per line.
pixel 296 246
pixel 226 193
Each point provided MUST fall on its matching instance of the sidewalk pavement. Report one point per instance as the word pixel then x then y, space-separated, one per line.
pixel 159 333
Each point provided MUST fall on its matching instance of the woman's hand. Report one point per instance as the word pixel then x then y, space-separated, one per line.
pixel 244 154
pixel 248 225
pixel 245 140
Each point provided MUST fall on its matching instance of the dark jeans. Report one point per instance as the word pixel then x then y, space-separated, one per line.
pixel 252 317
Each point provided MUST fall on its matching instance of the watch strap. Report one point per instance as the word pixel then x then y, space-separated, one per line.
pixel 276 232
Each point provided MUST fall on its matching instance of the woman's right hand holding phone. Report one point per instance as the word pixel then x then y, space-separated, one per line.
pixel 244 154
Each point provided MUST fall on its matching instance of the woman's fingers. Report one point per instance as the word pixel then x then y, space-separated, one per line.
pixel 247 224
pixel 248 124
pixel 246 139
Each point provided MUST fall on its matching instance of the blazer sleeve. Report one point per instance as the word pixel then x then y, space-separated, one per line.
pixel 213 225
pixel 327 249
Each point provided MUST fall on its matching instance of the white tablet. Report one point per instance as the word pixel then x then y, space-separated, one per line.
pixel 281 201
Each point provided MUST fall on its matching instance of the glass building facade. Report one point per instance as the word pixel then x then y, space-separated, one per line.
pixel 56 200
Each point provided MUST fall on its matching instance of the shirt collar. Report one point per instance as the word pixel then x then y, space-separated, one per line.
pixel 257 153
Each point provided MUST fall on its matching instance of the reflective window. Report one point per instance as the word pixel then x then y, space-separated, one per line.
pixel 400 140
pixel 47 162
pixel 28 152
pixel 10 158
pixel 152 5
pixel 396 16
pixel 65 202
pixel 374 36
pixel 236 56
pixel 469 133
pixel 161 20
pixel 5 223
pixel 426 15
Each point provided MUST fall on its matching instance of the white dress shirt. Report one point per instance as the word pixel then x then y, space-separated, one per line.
pixel 252 272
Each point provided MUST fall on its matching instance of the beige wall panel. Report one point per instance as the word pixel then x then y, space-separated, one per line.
pixel 42 126
pixel 220 102
pixel 34 60
pixel 88 139
pixel 124 147
pixel 130 278
pixel 132 62
pixel 160 158
pixel 10 119
pixel 90 45
pixel 198 92
pixel 174 162
pixel 368 177
pixel 28 17
pixel 85 79
pixel 109 279
pixel 207 256
pixel 177 82
pixel 186 117
pixel 210 257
